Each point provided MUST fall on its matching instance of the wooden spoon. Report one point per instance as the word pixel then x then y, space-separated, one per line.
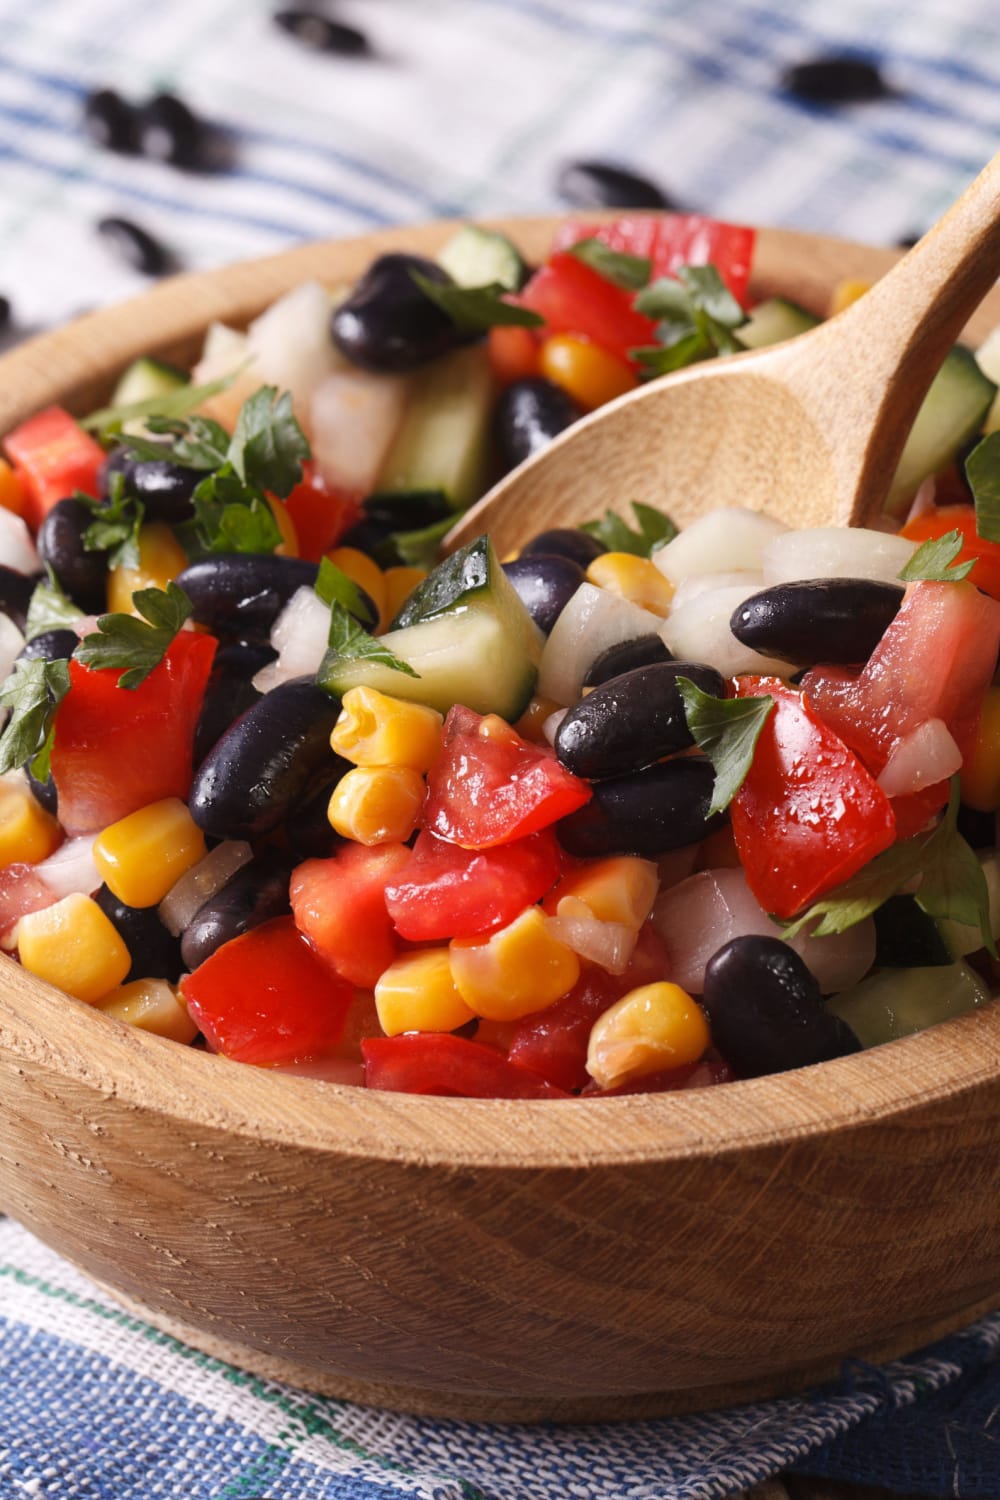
pixel 809 430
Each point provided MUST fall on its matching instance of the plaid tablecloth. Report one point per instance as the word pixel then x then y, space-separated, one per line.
pixel 460 107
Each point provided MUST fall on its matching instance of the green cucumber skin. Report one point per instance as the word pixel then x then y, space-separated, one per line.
pixel 146 378
pixel 444 441
pixel 774 320
pixel 953 411
pixel 481 257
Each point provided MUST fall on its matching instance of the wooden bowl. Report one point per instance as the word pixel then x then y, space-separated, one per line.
pixel 487 1258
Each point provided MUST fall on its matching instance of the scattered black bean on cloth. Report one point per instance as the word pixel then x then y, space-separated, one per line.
pixel 4 313
pixel 601 184
pixel 321 33
pixel 110 121
pixel 135 246
pixel 169 131
pixel 838 78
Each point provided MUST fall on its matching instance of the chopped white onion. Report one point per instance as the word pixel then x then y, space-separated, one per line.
pixel 225 353
pixel 299 635
pixel 17 550
pixel 607 944
pixel 593 620
pixel 71 868
pixel 719 542
pixel 328 1069
pixel 291 345
pixel 699 631
pixel 924 500
pixel 551 724
pixel 704 583
pixel 925 756
pixel 836 552
pixel 201 882
pixel 696 917
pixel 354 416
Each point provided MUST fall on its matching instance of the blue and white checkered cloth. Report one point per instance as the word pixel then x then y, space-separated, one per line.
pixel 465 107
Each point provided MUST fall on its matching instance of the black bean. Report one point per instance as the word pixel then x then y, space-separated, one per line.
pixel 766 1011
pixel 307 827
pixel 229 692
pixel 171 132
pixel 241 594
pixel 601 184
pixel 565 541
pixel 832 620
pixel 388 323
pixel 81 574
pixel 16 590
pixel 4 313
pixel 544 583
pixel 50 645
pixel 839 78
pixel 631 721
pixel 110 121
pixel 907 938
pixel 650 812
pixel 155 952
pixel 135 245
pixel 270 758
pixel 44 792
pixel 643 651
pixel 256 893
pixel 528 415
pixel 979 829
pixel 383 515
pixel 320 33
pixel 165 488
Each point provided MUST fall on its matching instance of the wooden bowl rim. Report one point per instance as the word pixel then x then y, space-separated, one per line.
pixel 961 1057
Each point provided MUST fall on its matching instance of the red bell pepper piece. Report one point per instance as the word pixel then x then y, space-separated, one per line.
pixel 339 905
pixel 672 240
pixel 445 891
pixel 441 1063
pixel 53 456
pixel 574 298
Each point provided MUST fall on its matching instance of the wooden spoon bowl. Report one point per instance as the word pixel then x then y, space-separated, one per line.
pixel 487 1258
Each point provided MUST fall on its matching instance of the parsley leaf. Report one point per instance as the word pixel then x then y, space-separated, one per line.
pixel 697 317
pixel 982 468
pixel 474 309
pixel 49 609
pixel 334 587
pixel 137 645
pixel 268 446
pixel 228 518
pixel 935 559
pixel 727 730
pixel 173 404
pixel 349 639
pixel 197 443
pixel 115 527
pixel 632 272
pixel 419 548
pixel 655 530
pixel 32 692
pixel 948 877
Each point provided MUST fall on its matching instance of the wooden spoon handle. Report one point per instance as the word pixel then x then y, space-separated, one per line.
pixel 883 351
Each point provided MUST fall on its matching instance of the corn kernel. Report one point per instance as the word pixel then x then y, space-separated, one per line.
pixel 653 1027
pixel 589 374
pixel 289 544
pixel 399 584
pixel 142 856
pixel 365 572
pixel 12 495
pixel 74 946
pixel 417 993
pixel 620 889
pixel 150 1005
pixel 633 578
pixel 161 558
pixel 845 292
pixel 518 970
pixel 376 804
pixel 375 730
pixel 27 833
pixel 531 724
pixel 981 767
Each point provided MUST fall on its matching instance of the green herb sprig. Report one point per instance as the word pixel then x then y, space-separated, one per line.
pixel 935 560
pixel 727 731
pixel 137 645
pixel 476 309
pixel 654 530
pixel 698 316
pixel 32 693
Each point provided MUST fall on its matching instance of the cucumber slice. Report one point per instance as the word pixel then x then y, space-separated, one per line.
pixel 962 939
pixel 146 378
pixel 443 441
pixel 953 410
pixel 480 257
pixel 988 360
pixel 773 321
pixel 465 631
pixel 896 1002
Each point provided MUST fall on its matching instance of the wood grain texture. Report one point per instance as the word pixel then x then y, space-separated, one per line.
pixel 589 1258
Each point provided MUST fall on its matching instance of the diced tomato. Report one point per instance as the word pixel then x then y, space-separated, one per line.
pixel 21 891
pixel 553 1042
pixel 441 1063
pixel 266 998
pixel 445 891
pixel 512 352
pixel 339 904
pixel 935 661
pixel 53 456
pixel 115 749
pixel 574 298
pixel 672 240
pixel 935 523
pixel 808 816
pixel 490 786
pixel 320 513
